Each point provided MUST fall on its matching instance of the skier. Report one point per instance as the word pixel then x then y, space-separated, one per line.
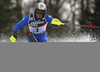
pixel 37 23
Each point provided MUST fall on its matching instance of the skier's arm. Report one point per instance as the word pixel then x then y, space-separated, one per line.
pixel 53 21
pixel 19 25
pixel 48 18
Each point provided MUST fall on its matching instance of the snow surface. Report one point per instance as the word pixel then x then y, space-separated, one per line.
pixel 81 38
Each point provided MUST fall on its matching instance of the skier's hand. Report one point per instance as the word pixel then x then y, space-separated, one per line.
pixel 55 21
pixel 13 38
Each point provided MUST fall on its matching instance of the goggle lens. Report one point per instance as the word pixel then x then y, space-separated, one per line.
pixel 39 12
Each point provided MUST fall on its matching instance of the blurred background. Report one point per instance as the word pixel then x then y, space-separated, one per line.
pixel 83 12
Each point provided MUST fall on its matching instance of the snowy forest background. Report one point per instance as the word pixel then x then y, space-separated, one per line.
pixel 83 12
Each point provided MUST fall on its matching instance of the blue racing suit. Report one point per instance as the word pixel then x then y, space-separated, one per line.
pixel 39 24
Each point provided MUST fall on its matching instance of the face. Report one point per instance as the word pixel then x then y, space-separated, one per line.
pixel 39 16
pixel 39 13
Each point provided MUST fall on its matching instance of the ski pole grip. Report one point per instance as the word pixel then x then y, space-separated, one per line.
pixel 69 24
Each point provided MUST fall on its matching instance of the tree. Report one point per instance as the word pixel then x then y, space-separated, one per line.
pixel 96 20
pixel 19 14
pixel 19 9
pixel 90 18
pixel 38 1
pixel 6 14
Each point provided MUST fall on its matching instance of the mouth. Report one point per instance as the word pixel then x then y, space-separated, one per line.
pixel 39 15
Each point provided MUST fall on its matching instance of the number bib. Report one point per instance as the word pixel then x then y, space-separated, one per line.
pixel 37 27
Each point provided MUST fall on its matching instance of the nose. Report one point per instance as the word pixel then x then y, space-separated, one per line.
pixel 39 14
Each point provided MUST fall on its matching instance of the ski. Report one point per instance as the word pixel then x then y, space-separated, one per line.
pixel 30 37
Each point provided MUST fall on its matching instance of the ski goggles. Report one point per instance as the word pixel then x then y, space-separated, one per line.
pixel 40 12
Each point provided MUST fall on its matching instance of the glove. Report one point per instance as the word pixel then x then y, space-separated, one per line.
pixel 55 21
pixel 13 38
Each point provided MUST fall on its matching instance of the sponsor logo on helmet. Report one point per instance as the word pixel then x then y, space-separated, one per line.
pixel 41 6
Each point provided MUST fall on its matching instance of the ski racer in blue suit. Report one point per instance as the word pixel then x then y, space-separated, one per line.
pixel 37 23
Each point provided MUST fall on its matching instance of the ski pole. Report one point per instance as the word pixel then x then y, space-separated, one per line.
pixel 89 26
pixel 83 25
